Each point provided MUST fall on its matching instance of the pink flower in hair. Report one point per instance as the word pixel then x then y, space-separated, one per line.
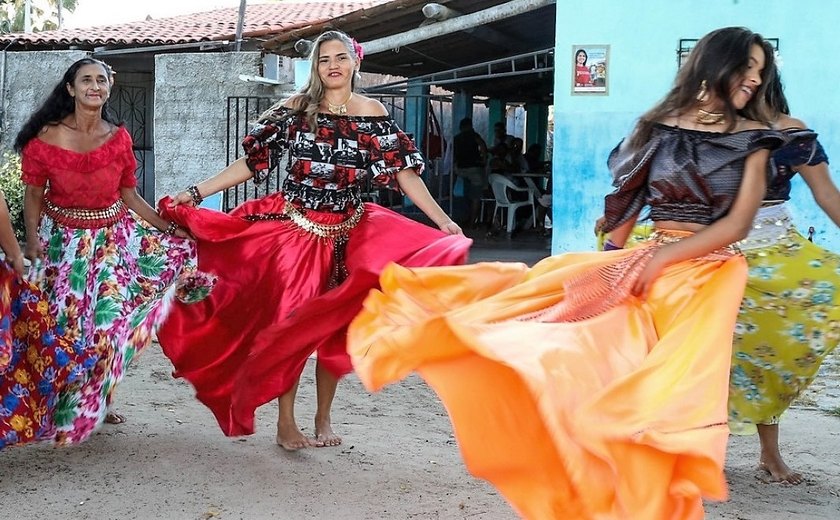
pixel 360 52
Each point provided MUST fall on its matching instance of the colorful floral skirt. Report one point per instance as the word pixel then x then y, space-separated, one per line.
pixel 36 361
pixel 272 306
pixel 107 289
pixel 572 397
pixel 788 323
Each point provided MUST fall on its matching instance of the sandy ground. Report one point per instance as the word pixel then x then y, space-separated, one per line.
pixel 399 461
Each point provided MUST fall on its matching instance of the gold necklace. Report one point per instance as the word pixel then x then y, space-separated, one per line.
pixel 704 117
pixel 341 109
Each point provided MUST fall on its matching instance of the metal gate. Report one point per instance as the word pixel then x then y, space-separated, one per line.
pixel 243 111
pixel 131 105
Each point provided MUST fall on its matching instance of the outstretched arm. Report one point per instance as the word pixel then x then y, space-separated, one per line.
pixel 136 204
pixel 825 192
pixel 414 187
pixel 237 172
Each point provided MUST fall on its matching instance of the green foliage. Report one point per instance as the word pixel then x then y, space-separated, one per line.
pixel 12 187
pixel 44 14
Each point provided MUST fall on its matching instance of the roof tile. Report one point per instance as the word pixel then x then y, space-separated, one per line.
pixel 260 20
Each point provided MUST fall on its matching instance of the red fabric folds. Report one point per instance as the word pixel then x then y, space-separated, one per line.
pixel 248 342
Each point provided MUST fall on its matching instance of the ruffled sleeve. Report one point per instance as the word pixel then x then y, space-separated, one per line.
pixel 266 143
pixel 33 171
pixel 803 149
pixel 630 170
pixel 392 151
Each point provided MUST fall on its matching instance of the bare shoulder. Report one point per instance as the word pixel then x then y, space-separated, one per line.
pixel 369 106
pixel 51 134
pixel 786 121
pixel 749 124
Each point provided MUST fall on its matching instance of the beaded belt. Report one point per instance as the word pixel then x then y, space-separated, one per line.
pixel 338 234
pixel 770 225
pixel 86 218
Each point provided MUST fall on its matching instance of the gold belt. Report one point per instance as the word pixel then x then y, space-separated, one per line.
pixel 323 230
pixel 107 215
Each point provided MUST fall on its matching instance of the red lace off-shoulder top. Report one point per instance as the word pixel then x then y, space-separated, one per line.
pixel 90 180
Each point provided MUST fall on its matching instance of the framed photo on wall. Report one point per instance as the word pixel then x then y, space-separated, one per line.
pixel 590 69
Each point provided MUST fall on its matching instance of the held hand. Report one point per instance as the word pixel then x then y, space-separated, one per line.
pixel 33 250
pixel 17 263
pixel 599 225
pixel 183 233
pixel 182 198
pixel 648 276
pixel 451 228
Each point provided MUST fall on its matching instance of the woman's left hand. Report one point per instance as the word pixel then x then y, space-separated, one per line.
pixel 451 228
pixel 183 233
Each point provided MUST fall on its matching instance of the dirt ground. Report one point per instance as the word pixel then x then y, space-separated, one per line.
pixel 399 461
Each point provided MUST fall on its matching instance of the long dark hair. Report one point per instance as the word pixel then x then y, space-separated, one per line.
pixel 718 59
pixel 59 104
pixel 775 98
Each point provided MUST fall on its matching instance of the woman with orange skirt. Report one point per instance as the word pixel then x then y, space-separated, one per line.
pixel 594 385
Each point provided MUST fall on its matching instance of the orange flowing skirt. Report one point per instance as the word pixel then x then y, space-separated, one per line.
pixel 615 413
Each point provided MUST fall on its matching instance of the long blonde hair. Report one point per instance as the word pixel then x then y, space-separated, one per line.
pixel 307 100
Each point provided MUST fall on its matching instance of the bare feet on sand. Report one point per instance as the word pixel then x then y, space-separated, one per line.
pixel 779 471
pixel 290 438
pixel 324 433
pixel 114 418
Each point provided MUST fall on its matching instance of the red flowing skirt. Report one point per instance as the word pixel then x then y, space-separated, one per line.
pixel 247 343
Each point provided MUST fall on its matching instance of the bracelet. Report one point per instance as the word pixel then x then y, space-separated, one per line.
pixel 195 194
pixel 170 229
pixel 610 246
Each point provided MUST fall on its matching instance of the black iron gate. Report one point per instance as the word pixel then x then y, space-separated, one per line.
pixel 131 105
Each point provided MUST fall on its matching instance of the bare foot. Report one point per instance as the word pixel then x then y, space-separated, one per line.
pixel 290 438
pixel 779 471
pixel 114 418
pixel 325 435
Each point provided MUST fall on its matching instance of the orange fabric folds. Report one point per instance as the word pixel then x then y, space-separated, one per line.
pixel 618 415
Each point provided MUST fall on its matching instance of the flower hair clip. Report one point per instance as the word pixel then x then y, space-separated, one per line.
pixel 360 52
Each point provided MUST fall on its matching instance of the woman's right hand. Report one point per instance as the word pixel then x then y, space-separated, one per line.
pixel 17 264
pixel 33 250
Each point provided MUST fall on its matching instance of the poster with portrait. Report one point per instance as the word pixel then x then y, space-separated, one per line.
pixel 590 69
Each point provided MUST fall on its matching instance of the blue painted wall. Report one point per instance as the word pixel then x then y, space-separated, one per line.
pixel 643 38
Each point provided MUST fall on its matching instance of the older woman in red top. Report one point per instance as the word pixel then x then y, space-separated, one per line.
pixel 105 261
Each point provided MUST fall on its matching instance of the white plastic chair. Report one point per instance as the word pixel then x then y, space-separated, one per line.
pixel 500 185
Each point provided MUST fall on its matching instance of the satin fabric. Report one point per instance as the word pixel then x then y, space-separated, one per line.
pixel 618 416
pixel 248 342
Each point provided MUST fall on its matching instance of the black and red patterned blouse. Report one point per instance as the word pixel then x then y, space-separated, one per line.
pixel 326 169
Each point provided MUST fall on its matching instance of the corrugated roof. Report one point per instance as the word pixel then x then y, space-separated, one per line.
pixel 260 20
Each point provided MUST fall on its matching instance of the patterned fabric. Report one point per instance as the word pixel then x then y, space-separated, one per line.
pixel 784 162
pixel 109 289
pixel 36 362
pixel 327 166
pixel 788 323
pixel 89 180
pixel 684 175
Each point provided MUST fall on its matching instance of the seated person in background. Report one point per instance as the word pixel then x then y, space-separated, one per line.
pixel 517 161
pixel 469 157
pixel 533 156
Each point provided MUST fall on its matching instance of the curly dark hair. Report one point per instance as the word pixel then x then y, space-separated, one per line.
pixel 59 104
pixel 718 59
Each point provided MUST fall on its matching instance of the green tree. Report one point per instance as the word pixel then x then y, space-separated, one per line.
pixel 44 14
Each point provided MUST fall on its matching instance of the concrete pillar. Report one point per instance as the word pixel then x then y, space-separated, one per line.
pixel 462 106
pixel 496 113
